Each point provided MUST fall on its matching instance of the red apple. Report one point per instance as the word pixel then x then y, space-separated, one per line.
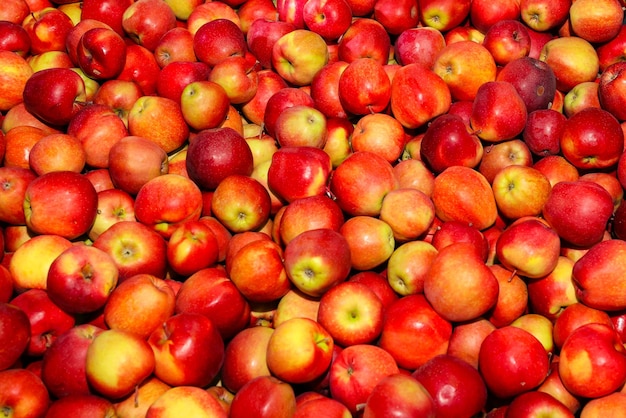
pixel 140 67
pixel 241 203
pixel 282 99
pixel 80 406
pixel 609 90
pixel 201 402
pixel 192 247
pixel 507 40
pixel 419 45
pixel 15 11
pixel 14 75
pixel 264 396
pixel 609 12
pixel 536 403
pixel 330 19
pixel 298 55
pixel 23 394
pixel 573 60
pixel 109 12
pixel 543 131
pixel 262 35
pixel 204 104
pixel 47 29
pixel 269 82
pixel 306 214
pixel 217 40
pixel 365 37
pixel 101 53
pixel 119 95
pixel 397 16
pixel 467 338
pixel 543 16
pixel 534 81
pixel 16 331
pixel 443 15
pixel 146 21
pixel 14 38
pixel 15 181
pixel 245 357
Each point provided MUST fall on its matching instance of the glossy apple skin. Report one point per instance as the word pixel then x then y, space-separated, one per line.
pixel 266 396
pixel 245 357
pixel 23 393
pixel 101 53
pixel 16 331
pixel 107 11
pixel 217 40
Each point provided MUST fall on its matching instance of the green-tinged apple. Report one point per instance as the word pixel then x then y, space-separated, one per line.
pixel 570 201
pixel 443 15
pixel 360 183
pixel 370 239
pixel 261 144
pixel 23 394
pixel 81 279
pixel 245 357
pixel 463 194
pixel 399 394
pixel 135 247
pixel 298 172
pixel 520 191
pixel 467 338
pixel 298 55
pixel 317 260
pixel 181 346
pixel 573 60
pixel 61 202
pixel 299 350
pixel 216 153
pixel 54 95
pixel 456 388
pixel 498 113
pixel 63 366
pixel 543 16
pixel 444 290
pixel 204 104
pixel 57 152
pixel 196 401
pixel 241 203
pixel 279 101
pixel 512 361
pixel 47 320
pixel 411 321
pixel 356 371
pixel 465 66
pixel 14 75
pixel 51 59
pixel 299 126
pixel 15 331
pixel 192 247
pixel 159 119
pixel 175 76
pixel 260 174
pixel 539 326
pixel 261 36
pixel 258 271
pixel 184 202
pixel 30 262
pixel 237 76
pixel 447 142
pixel 139 305
pixel 418 94
pixel 408 265
pixel 352 314
pixel 529 247
pixel 581 96
pixel 597 276
pixel 592 361
pixel 512 297
pixel 210 292
pixel 133 161
pixel 264 397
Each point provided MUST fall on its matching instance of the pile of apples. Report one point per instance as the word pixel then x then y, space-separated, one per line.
pixel 312 208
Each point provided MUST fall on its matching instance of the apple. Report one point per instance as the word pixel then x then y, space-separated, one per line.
pixel 18 143
pixel 109 12
pixel 299 126
pixel 150 299
pixel 578 199
pixel 117 361
pixel 464 33
pixel 60 202
pixel 308 405
pixel 15 11
pixel 279 101
pixel 397 17
pixel 175 76
pixel 534 81
pixel 611 51
pixel 236 74
pixel 245 357
pixel 177 363
pixel 465 66
pixel 241 203
pixel 218 39
pixel 15 38
pixel 609 12
pixel 133 161
pixel 196 400
pixel 404 275
pixel 291 11
pixel 370 239
pixel 135 247
pixel 484 14
pixel 141 67
pixel 580 97
pixel 57 152
pixel 47 320
pixel 261 36
pixel 204 13
pixel 473 203
pixel 325 89
pixel 176 45
pixel 47 29
pixel 72 39
pixel 216 153
pixel 575 316
pixel 101 53
pixel 467 338
pixel 366 37
pixel 16 331
pixel 556 168
pixel 543 131
pixel 413 173
pixel 269 82
pixel 204 104
pixel 146 21
pixel 418 45
pixel 54 95
pixel 63 366
pixel 536 403
pixel 444 372
pixel 329 19
pixel 609 85
pixel 80 406
pixel 597 407
pixel 573 60
pixel 412 320
pixel 399 394
pixel 356 371
pixel 308 213
pixel 543 16
pixel 210 292
pixel 428 96
pixel 610 182
pixel 603 361
pixel 119 95
pixel 507 40
pixel 299 350
pixel 15 181
pixel 191 247
pixel 159 119
pixel 22 393
pixel 298 55
pixel 520 191
pixel 443 15
pixel 501 366
pixel 264 396
pixel 250 11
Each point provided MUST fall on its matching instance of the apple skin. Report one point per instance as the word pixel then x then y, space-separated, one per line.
pixel 54 95
pixel 23 394
pixel 535 403
pixel 336 17
pixel 609 88
pixel 604 369
pixel 15 181
pixel 62 202
pixel 543 131
pixel 470 394
pixel 14 76
pixel 192 247
pixel 198 401
pixel 63 367
pixel 282 99
pixel 298 55
pixel 146 21
pixel 119 95
pixel 467 338
pixel 409 213
pixel 581 200
pixel 241 203
pixel 204 104
pixel 16 331
pixel 101 53
pixel 551 294
pixel 409 320
pixel 51 21
pixel 15 11
pixel 109 12
pixel 175 76
pixel 141 67
pixel 443 15
pixel 261 36
pixel 264 396
pixel 500 364
pixel 573 60
pixel 544 16
pixel 484 14
pixel 507 40
pixel 427 40
pixel 216 153
pixel 399 394
pixel 217 40
pixel 356 371
pixel 15 38
pixel 211 292
pixel 179 350
pixel 80 406
pixel 245 357
pixel 57 152
pixel 365 37
pixel 418 95
pixel 450 232
pixel 300 126
pixel 308 213
pixel 364 87
pixel 610 13
pixel 575 316
pixel 534 81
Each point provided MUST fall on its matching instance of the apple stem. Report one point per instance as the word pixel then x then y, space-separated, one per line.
pixel 513 273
